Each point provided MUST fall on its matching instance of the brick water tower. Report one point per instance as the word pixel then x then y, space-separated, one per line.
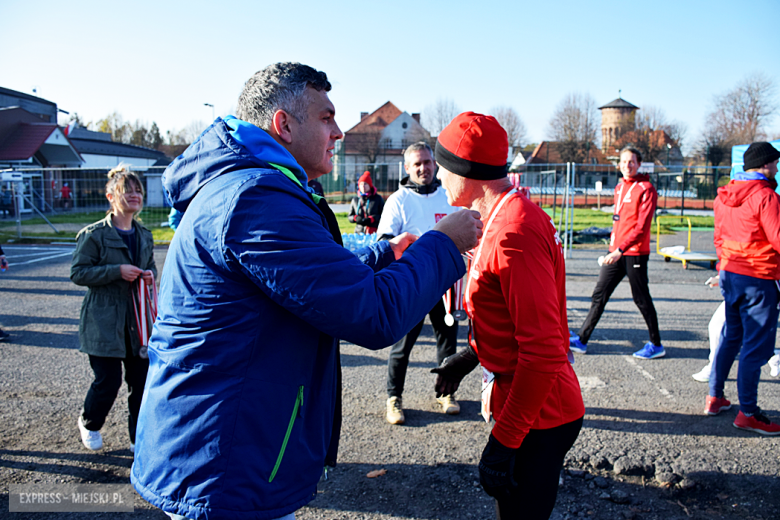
pixel 617 118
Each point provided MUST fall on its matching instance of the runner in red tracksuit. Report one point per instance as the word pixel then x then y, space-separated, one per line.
pixel 629 250
pixel 516 302
pixel 747 239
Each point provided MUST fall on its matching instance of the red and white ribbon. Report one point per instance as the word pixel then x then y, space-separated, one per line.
pixel 145 306
pixel 453 303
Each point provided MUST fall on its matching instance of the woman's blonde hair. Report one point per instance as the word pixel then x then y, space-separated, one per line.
pixel 118 179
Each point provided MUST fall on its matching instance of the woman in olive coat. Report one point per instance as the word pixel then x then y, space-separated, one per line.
pixel 110 255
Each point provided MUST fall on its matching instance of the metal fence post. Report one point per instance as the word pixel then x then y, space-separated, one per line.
pixel 17 209
pixel 562 218
pixel 571 208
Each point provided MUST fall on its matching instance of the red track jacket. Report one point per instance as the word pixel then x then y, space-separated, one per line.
pixel 517 304
pixel 635 203
pixel 747 228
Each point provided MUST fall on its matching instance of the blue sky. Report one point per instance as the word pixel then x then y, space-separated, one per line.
pixel 161 61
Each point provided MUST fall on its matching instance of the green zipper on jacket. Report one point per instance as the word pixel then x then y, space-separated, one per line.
pixel 298 404
pixel 316 198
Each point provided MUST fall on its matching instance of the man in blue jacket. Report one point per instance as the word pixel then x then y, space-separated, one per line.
pixel 238 410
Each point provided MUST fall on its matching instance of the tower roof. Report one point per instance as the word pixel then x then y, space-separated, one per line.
pixel 619 103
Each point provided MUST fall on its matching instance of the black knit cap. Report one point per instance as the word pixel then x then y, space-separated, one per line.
pixel 759 154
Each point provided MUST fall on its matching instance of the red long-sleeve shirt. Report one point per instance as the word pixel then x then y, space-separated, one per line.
pixel 517 304
pixel 747 228
pixel 635 203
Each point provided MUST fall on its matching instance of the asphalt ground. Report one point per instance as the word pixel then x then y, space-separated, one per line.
pixel 646 449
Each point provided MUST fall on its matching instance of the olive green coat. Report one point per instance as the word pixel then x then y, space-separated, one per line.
pixel 108 306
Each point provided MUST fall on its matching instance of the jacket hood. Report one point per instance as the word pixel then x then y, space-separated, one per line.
pixel 226 145
pixel 737 191
pixel 422 189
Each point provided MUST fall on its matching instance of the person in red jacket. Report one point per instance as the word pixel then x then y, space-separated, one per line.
pixel 516 303
pixel 629 250
pixel 747 240
pixel 366 209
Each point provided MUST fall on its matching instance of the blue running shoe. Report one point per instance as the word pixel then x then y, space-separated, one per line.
pixel 650 351
pixel 575 345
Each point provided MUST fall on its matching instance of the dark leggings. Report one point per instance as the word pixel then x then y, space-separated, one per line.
pixel 538 465
pixel 108 379
pixel 398 360
pixel 635 267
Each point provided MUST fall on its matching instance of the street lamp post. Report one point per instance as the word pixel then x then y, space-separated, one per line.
pixel 668 149
pixel 212 110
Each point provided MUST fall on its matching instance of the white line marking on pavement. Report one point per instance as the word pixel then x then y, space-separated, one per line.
pixel 50 257
pixel 37 253
pixel 663 391
pixel 590 382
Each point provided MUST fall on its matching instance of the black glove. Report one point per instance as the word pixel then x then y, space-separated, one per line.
pixel 496 469
pixel 360 220
pixel 453 369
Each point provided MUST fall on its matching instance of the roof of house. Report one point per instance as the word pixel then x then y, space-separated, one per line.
pixel 619 103
pixel 547 152
pixel 657 138
pixel 366 134
pixel 78 132
pixel 378 119
pixel 25 141
pixel 100 143
pixel 22 95
pixel 23 134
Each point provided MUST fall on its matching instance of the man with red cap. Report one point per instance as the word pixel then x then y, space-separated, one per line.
pixel 747 240
pixel 415 208
pixel 516 303
pixel 366 208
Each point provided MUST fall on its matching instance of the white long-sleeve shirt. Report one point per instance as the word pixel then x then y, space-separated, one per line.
pixel 408 211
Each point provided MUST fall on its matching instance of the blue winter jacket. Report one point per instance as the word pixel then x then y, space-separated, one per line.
pixel 239 400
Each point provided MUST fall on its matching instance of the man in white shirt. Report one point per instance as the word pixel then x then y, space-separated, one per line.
pixel 416 207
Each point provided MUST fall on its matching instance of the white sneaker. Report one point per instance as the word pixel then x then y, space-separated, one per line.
pixel 774 365
pixel 449 405
pixel 395 411
pixel 703 375
pixel 92 440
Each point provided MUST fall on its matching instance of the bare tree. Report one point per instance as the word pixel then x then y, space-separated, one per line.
pixel 193 130
pixel 510 120
pixel 113 124
pixel 368 142
pixel 651 117
pixel 575 127
pixel 76 118
pixel 742 114
pixel 438 115
pixel 678 131
pixel 646 136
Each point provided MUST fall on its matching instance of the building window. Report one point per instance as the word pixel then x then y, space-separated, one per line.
pixel 404 126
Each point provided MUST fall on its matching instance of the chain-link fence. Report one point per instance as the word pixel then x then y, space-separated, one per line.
pixel 47 200
pixel 73 196
pixel 341 184
pixel 689 187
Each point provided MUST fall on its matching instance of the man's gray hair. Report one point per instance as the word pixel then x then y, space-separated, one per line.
pixel 281 86
pixel 417 147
